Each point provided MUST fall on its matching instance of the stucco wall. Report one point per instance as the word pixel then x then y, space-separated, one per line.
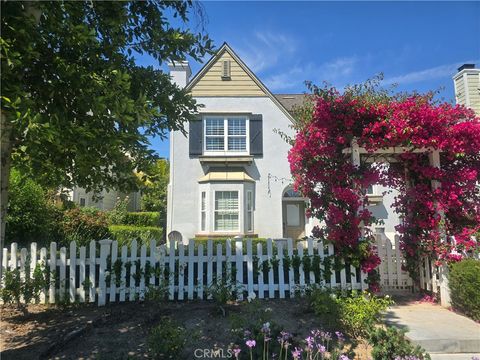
pixel 184 195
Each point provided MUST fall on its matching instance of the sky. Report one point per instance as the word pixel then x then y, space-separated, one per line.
pixel 417 45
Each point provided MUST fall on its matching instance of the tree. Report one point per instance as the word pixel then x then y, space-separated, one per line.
pixel 154 188
pixel 75 102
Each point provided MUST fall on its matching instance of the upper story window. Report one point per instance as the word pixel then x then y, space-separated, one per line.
pixel 226 135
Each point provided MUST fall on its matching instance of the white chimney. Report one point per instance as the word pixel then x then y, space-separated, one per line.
pixel 180 72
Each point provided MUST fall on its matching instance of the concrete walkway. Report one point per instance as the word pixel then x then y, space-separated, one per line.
pixel 443 333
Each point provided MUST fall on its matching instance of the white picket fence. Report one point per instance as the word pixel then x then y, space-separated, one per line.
pixel 392 275
pixel 185 271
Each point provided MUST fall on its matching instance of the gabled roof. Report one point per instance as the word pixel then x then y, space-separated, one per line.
pixel 226 48
pixel 291 101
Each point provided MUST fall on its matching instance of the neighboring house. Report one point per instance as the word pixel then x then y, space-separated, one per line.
pixel 467 87
pixel 231 176
pixel 106 200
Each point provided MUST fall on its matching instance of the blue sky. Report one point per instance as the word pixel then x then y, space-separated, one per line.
pixel 417 45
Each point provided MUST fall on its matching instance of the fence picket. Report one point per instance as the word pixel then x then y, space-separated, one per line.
pixel 102 284
pixel 291 272
pixel 311 274
pixel 281 280
pixel 239 267
pixel 13 257
pixel 53 270
pixel 143 261
pixel 261 287
pixel 92 267
pixel 123 275
pixel 133 271
pixel 320 252
pixel 153 262
pixel 343 276
pixel 219 263
pixel 73 271
pixel 209 264
pixel 228 256
pixel 181 271
pixel 113 276
pixel 200 272
pixel 249 267
pixel 388 246
pixel 161 267
pixel 63 270
pixel 300 269
pixel 43 264
pixel 332 274
pixel 81 273
pixel 171 268
pixel 4 261
pixel 191 258
pixel 271 288
pixel 398 262
pixel 33 258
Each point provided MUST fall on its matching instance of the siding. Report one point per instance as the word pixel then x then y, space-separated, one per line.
pixel 240 83
pixel 473 84
pixel 460 94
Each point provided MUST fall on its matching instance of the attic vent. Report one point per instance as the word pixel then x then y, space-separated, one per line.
pixel 226 70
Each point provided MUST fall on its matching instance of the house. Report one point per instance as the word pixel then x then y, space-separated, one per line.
pixel 105 200
pixel 467 87
pixel 230 176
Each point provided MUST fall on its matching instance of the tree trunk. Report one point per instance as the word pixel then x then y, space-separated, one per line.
pixel 5 161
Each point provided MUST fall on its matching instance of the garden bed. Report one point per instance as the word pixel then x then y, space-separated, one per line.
pixel 121 331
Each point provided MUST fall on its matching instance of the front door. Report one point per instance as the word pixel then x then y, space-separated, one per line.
pixel 293 219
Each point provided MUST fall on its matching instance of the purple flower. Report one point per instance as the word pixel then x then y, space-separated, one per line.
pixel 247 334
pixel 309 341
pixel 343 357
pixel 251 343
pixel 321 348
pixel 340 336
pixel 326 335
pixel 296 353
pixel 474 357
pixel 284 336
pixel 236 352
pixel 267 339
pixel 266 328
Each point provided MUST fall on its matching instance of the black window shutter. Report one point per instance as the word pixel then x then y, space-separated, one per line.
pixel 195 136
pixel 256 134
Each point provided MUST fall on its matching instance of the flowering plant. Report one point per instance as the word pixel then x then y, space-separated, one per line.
pixel 432 202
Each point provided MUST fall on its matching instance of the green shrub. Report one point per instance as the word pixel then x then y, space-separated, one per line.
pixel 83 225
pixel 141 219
pixel 355 312
pixel 117 215
pixel 464 281
pixel 124 234
pixel 30 216
pixel 15 288
pixel 167 340
pixel 390 343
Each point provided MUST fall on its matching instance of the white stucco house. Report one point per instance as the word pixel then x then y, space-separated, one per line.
pixel 230 176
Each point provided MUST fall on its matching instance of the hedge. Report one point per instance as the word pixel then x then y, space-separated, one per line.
pixel 464 281
pixel 138 219
pixel 124 234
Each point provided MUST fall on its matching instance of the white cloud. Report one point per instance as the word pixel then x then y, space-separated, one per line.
pixel 436 72
pixel 265 49
pixel 336 71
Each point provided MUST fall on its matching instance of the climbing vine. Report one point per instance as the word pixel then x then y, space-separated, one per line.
pixel 377 119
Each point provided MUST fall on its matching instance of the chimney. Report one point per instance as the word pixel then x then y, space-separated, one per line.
pixel 180 72
pixel 466 66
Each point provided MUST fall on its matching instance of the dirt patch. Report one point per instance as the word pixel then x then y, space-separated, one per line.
pixel 120 331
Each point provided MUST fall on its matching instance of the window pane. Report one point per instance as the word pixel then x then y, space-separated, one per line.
pixel 214 126
pixel 204 220
pixel 215 143
pixel 237 126
pixel 226 210
pixel 237 143
pixel 293 215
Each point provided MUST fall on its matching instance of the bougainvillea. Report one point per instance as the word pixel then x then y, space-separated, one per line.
pixel 323 171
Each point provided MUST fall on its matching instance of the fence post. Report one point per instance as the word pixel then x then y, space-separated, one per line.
pixel 73 271
pixel 239 266
pixel 271 288
pixel 445 299
pixel 53 269
pixel 102 285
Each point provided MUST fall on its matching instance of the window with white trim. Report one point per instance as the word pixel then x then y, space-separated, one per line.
pixel 249 210
pixel 226 134
pixel 226 211
pixel 203 211
pixel 82 202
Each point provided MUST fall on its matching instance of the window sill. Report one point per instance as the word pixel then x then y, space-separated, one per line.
pixel 375 199
pixel 223 159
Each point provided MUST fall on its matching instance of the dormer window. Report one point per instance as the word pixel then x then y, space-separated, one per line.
pixel 226 70
pixel 226 135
